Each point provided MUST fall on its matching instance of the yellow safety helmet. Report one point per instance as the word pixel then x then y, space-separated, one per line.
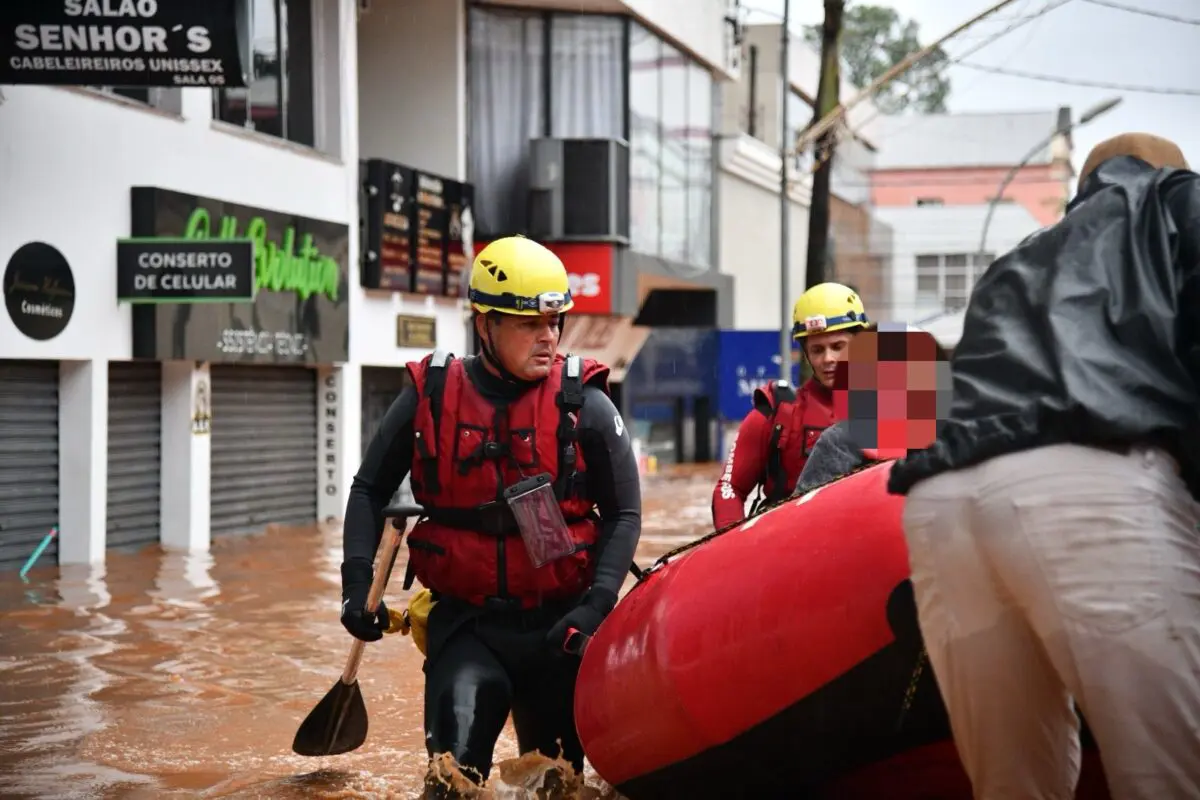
pixel 825 308
pixel 515 275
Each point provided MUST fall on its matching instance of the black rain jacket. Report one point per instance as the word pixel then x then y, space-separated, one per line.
pixel 1085 333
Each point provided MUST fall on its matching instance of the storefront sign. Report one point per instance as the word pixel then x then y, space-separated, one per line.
pixel 39 290
pixel 330 503
pixel 416 332
pixel 460 244
pixel 185 270
pixel 749 360
pixel 417 229
pixel 433 229
pixel 300 311
pixel 124 42
pixel 389 205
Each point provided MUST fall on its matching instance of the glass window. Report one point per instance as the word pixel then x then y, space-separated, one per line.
pixel 928 277
pixel 674 162
pixel 587 77
pixel 645 139
pixel 700 163
pixel 279 99
pixel 506 104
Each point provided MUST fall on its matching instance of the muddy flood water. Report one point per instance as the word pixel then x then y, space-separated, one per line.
pixel 180 675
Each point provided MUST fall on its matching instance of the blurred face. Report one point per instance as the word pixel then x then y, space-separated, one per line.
pixel 824 352
pixel 525 345
pixel 893 390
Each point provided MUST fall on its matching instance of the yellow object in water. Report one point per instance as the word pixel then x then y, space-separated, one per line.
pixel 414 619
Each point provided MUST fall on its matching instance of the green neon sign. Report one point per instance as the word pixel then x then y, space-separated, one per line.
pixel 278 267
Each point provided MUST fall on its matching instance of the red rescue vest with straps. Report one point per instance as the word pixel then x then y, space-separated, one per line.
pixel 468 450
pixel 797 421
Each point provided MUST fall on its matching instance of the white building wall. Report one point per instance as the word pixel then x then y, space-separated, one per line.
pixel 412 101
pixel 940 230
pixel 69 157
pixel 750 240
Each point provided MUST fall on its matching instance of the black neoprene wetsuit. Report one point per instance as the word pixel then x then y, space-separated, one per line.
pixel 483 663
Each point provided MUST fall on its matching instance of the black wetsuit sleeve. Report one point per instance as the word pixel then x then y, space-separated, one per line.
pixel 388 459
pixel 613 482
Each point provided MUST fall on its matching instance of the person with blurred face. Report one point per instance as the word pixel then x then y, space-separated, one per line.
pixel 531 515
pixel 776 438
pixel 889 394
pixel 1052 527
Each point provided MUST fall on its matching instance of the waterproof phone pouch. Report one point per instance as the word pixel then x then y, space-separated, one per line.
pixel 540 519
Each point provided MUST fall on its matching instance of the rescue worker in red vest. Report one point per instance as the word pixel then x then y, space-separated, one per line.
pixel 532 514
pixel 776 437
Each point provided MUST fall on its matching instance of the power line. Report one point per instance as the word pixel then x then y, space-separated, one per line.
pixel 1020 21
pixel 1123 87
pixel 1144 11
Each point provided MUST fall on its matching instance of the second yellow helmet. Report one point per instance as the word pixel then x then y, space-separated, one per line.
pixel 825 308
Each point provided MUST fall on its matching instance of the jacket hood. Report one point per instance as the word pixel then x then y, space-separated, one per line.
pixel 1117 160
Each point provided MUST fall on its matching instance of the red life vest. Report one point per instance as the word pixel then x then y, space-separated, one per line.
pixel 467 544
pixel 797 421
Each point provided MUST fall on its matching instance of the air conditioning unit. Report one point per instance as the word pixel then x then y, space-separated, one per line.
pixel 579 190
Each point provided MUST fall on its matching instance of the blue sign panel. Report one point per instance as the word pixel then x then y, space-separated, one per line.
pixel 747 360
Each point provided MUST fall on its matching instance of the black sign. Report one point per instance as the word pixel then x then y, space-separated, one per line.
pixel 460 199
pixel 301 311
pixel 388 219
pixel 433 229
pixel 123 42
pixel 39 291
pixel 184 270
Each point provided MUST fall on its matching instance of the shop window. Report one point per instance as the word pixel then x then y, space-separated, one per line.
pixel 645 139
pixel 507 95
pixel 535 74
pixel 279 100
pixel 671 135
pixel 587 77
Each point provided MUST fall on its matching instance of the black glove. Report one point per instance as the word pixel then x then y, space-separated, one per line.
pixel 585 617
pixel 356 585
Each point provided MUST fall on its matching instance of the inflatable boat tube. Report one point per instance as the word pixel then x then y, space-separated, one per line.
pixel 779 658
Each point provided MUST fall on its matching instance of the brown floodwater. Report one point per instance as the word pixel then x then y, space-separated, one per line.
pixel 168 674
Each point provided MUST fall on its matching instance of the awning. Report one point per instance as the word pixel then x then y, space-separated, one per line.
pixel 614 341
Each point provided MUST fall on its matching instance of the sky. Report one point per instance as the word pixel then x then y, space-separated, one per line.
pixel 1080 40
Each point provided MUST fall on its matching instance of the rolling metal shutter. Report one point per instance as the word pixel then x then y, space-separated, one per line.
pixel 28 460
pixel 134 453
pixel 380 387
pixel 264 447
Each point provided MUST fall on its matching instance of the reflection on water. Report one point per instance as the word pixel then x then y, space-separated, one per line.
pixel 187 674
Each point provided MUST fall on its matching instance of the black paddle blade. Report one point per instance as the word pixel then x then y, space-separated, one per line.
pixel 337 725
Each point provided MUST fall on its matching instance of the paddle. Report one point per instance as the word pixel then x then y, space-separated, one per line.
pixel 338 724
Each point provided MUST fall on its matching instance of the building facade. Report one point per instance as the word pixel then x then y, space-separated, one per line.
pixel 859 250
pixel 937 185
pixel 125 424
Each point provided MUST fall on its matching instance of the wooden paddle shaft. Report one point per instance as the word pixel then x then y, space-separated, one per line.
pixel 383 570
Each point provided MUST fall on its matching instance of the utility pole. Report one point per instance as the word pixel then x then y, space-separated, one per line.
pixel 832 118
pixel 827 101
pixel 785 200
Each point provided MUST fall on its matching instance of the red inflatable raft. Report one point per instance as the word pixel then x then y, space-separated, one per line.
pixel 780 658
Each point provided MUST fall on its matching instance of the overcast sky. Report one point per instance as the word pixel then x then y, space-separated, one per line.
pixel 1081 40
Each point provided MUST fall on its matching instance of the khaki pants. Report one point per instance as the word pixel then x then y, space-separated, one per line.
pixel 1058 573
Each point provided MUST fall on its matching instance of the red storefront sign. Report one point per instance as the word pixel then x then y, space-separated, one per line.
pixel 590 270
